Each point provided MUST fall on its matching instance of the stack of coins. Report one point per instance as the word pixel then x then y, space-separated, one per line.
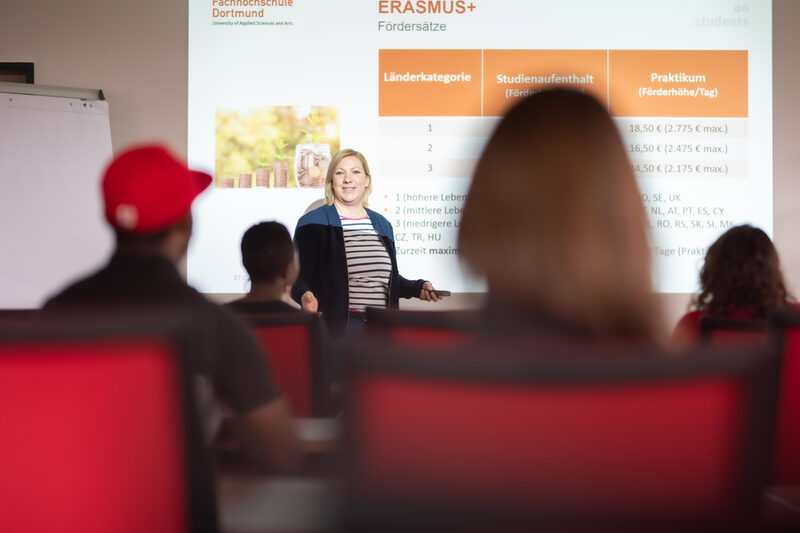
pixel 226 183
pixel 280 170
pixel 245 181
pixel 322 162
pixel 311 166
pixel 262 177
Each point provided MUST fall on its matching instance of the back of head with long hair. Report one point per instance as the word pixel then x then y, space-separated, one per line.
pixel 741 272
pixel 554 219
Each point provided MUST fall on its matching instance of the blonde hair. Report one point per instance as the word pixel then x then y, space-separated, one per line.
pixel 335 160
pixel 554 219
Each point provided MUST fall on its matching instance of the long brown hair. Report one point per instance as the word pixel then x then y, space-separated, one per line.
pixel 741 271
pixel 555 221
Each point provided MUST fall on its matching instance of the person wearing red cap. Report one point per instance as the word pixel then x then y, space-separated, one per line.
pixel 148 194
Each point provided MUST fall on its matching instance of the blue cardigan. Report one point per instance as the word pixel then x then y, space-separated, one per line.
pixel 323 265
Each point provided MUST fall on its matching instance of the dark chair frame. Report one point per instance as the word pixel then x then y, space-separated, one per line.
pixel 18 316
pixel 173 327
pixel 780 321
pixel 381 321
pixel 708 325
pixel 522 362
pixel 784 319
pixel 318 351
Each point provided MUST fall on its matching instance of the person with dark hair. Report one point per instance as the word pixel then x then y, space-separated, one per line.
pixel 269 257
pixel 741 278
pixel 347 253
pixel 148 195
pixel 554 221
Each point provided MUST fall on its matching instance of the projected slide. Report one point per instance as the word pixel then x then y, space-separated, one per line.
pixel 278 86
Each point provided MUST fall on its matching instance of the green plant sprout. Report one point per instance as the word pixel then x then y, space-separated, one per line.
pixel 313 119
pixel 281 153
pixel 262 159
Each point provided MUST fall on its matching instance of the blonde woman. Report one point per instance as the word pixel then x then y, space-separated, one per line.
pixel 347 253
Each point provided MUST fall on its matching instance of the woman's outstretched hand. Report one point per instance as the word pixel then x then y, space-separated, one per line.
pixel 309 302
pixel 427 293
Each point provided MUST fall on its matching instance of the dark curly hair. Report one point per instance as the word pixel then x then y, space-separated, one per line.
pixel 741 271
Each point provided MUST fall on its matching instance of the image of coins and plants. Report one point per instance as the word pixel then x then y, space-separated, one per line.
pixel 276 146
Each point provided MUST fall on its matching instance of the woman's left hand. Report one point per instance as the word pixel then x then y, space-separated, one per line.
pixel 427 293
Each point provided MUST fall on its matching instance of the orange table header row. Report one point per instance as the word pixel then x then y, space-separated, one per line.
pixel 701 83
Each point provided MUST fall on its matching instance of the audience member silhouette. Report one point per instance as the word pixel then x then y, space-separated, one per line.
pixel 554 222
pixel 148 195
pixel 741 278
pixel 269 257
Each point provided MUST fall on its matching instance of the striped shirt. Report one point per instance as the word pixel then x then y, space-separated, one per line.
pixel 369 266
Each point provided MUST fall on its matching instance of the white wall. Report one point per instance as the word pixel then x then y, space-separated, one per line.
pixel 136 52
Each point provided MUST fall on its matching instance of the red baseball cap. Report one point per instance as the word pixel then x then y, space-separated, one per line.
pixel 147 189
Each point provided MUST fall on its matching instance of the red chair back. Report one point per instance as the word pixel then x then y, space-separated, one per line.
pixel 632 436
pixel 100 432
pixel 786 470
pixel 295 346
pixel 422 329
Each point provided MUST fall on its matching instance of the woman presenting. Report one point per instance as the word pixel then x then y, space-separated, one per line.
pixel 347 253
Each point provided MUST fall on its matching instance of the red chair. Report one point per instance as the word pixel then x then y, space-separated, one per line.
pixel 786 465
pixel 296 348
pixel 424 329
pixel 572 435
pixel 786 469
pixel 720 331
pixel 100 431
